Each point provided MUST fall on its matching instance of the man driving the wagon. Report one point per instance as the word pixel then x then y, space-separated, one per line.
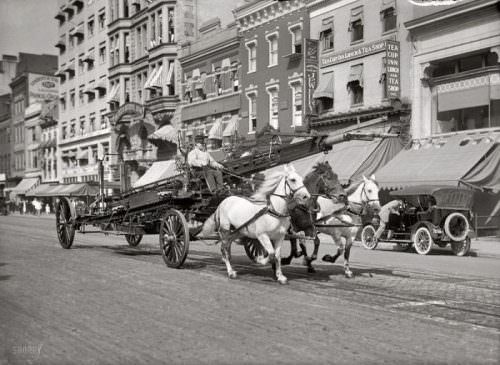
pixel 200 160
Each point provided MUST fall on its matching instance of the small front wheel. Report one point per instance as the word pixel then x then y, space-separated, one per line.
pixel 461 248
pixel 422 241
pixel 133 239
pixel 254 249
pixel 368 237
pixel 174 238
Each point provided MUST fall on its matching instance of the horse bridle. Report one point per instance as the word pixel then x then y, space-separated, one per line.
pixel 363 203
pixel 286 197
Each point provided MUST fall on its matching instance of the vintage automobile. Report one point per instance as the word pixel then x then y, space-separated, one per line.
pixel 432 214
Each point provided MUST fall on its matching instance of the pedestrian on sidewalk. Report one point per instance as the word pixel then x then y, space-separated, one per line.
pixel 47 208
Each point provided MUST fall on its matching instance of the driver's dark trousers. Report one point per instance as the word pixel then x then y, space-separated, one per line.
pixel 213 178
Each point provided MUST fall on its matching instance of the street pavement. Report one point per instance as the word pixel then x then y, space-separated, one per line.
pixel 105 302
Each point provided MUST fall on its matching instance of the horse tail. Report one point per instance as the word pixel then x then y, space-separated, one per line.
pixel 211 225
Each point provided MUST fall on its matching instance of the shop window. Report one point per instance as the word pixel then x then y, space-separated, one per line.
pixel 356 92
pixel 389 19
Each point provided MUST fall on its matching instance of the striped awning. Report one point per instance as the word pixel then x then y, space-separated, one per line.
pixel 158 80
pixel 166 133
pixel 325 88
pixel 216 131
pixel 147 84
pixel 25 185
pixel 170 74
pixel 231 128
pixel 114 95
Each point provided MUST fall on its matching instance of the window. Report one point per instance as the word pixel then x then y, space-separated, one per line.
pixel 171 25
pixel 252 56
pixel 80 64
pixel 356 24
pixel 252 112
pixel 71 39
pixel 90 26
pixel 92 126
pixel 62 100
pixel 389 19
pixel 101 18
pixel 296 38
pixel 152 28
pixel 218 81
pixel 126 47
pixel 297 104
pixel 104 122
pixel 234 78
pixel 160 26
pixel 326 34
pixel 356 91
pixel 82 130
pixel 102 53
pixel 72 98
pixel 273 49
pixel 81 99
pixel 273 107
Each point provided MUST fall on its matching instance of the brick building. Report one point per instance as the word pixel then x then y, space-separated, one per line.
pixel 272 65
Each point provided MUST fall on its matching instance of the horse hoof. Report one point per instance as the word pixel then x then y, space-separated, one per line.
pixel 286 261
pixel 283 280
pixel 349 274
pixel 262 260
pixel 232 275
pixel 328 258
pixel 311 270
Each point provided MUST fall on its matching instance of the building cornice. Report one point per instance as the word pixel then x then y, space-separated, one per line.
pixel 415 24
pixel 258 13
pixel 217 48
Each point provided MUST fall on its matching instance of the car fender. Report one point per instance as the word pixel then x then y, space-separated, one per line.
pixel 435 231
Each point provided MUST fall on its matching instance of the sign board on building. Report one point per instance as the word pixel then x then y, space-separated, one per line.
pixel 310 74
pixel 42 88
pixel 392 70
pixel 353 53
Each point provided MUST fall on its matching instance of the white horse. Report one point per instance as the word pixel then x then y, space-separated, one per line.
pixel 264 217
pixel 346 224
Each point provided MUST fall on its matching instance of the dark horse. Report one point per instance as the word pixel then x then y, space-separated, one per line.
pixel 321 181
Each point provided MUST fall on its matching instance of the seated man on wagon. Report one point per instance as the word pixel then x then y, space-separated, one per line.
pixel 200 160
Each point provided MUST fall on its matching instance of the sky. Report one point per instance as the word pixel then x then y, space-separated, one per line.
pixel 28 26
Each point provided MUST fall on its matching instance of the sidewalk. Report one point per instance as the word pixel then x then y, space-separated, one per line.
pixel 481 247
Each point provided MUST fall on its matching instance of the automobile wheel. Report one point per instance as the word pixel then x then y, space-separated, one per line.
pixel 422 241
pixel 368 237
pixel 461 248
pixel 456 226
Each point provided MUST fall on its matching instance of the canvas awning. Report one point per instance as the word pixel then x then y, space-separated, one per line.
pixel 42 190
pixel 346 159
pixel 83 155
pixel 325 87
pixel 356 14
pixel 3 178
pixel 170 74
pixel 160 170
pixel 356 74
pixel 486 174
pixel 463 94
pixel 158 80
pixel 443 162
pixel 166 133
pixel 100 85
pixel 78 32
pixel 89 57
pixel 231 128
pixel 216 131
pixel 25 185
pixel 151 75
pixel 114 95
pixel 388 4
pixel 76 189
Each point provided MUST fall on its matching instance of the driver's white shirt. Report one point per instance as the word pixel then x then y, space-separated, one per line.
pixel 199 158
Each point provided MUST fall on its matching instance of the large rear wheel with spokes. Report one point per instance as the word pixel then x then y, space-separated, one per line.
pixel 254 249
pixel 174 238
pixel 65 222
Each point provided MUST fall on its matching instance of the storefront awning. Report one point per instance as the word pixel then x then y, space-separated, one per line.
pixel 216 130
pixel 345 158
pixel 150 78
pixel 42 190
pixel 486 174
pixel 325 87
pixel 166 133
pixel 231 128
pixel 25 185
pixel 443 162
pixel 76 189
pixel 3 178
pixel 463 94
pixel 160 170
